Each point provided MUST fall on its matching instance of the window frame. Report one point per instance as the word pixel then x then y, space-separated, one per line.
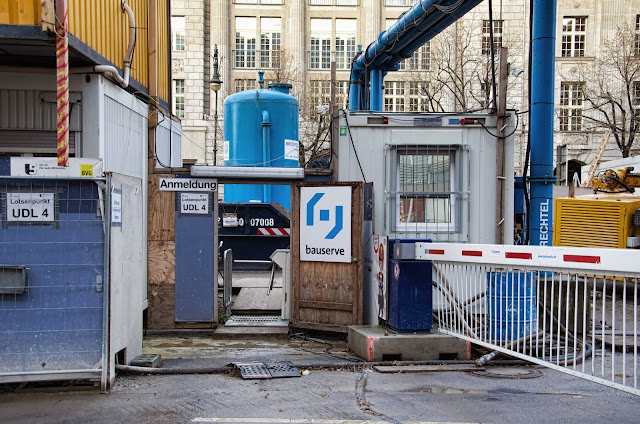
pixel 568 105
pixel 573 41
pixel 498 31
pixel 453 225
pixel 175 32
pixel 176 96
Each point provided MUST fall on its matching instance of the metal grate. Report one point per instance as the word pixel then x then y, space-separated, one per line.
pixel 255 318
pixel 283 370
pixel 252 370
pixel 256 321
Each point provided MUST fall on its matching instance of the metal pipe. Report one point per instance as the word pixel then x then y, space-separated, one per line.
pixel 112 71
pixel 541 128
pixel 376 89
pixel 266 152
pixel 104 379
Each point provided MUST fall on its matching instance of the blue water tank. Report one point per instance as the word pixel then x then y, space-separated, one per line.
pixel 261 129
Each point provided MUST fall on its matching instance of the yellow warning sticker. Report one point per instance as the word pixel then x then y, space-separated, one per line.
pixel 86 170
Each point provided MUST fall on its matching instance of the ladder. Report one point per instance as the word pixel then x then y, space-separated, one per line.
pixel 594 163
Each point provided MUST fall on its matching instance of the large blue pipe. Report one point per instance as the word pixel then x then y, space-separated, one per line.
pixel 415 27
pixel 541 129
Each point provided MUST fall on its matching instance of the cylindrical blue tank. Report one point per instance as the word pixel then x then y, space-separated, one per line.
pixel 261 129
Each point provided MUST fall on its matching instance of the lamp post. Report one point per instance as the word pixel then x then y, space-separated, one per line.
pixel 215 83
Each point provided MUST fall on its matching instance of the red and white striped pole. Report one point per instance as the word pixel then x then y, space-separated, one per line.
pixel 62 81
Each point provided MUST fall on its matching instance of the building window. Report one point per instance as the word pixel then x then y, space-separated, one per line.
pixel 276 2
pixel 320 94
pixel 177 32
pixel 270 40
pixel 345 43
pixel 399 2
pixel 486 35
pixel 394 96
pixel 323 36
pixel 333 2
pixel 425 197
pixel 320 56
pixel 245 52
pixel 417 96
pixel 244 84
pixel 571 106
pixel 485 94
pixel 574 33
pixel 178 98
pixel 637 36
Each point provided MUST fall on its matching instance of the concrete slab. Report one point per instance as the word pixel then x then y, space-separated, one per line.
pixel 375 343
pixel 258 332
pixel 257 299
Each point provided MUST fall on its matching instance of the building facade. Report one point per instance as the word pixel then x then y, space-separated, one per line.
pixel 296 41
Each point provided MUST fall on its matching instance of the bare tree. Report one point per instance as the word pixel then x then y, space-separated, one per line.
pixel 314 123
pixel 459 74
pixel 611 88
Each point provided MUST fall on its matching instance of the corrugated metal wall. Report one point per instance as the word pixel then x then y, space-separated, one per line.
pixel 103 26
pixel 20 12
pixel 126 139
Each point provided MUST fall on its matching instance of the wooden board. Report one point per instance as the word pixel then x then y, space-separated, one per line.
pixel 161 312
pixel 161 211
pixel 327 295
pixel 162 262
pixel 256 299
pixel 426 368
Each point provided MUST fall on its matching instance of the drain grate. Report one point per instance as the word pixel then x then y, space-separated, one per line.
pixel 255 318
pixel 256 321
pixel 283 370
pixel 252 370
pixel 259 370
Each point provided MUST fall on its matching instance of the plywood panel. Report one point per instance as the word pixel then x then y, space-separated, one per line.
pixel 328 296
pixel 161 312
pixel 161 211
pixel 162 262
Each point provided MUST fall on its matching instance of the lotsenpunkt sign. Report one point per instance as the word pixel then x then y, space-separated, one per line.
pixel 187 184
pixel 325 224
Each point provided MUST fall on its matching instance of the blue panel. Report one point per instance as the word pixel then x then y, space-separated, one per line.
pixel 195 291
pixel 57 323
pixel 410 296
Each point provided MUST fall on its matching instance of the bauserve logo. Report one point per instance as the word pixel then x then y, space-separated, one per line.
pixel 325 224
pixel 325 216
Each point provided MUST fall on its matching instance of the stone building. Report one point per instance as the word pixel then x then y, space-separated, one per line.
pixel 296 40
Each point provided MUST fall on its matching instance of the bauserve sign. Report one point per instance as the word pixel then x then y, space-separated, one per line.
pixel 325 224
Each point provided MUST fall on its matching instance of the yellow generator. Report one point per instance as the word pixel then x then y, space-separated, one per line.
pixel 607 219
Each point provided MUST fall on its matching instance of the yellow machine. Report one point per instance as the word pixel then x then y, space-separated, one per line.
pixel 610 218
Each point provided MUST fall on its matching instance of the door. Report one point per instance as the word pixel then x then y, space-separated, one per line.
pixel 327 288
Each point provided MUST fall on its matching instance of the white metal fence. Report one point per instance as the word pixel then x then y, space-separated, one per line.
pixel 571 309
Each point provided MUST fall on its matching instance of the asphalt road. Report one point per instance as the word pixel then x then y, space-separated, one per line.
pixel 348 396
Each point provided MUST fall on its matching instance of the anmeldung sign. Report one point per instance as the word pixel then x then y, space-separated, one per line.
pixel 187 184
pixel 325 224
pixel 194 203
pixel 30 207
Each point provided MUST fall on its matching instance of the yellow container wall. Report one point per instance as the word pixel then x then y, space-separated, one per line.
pixel 104 27
pixel 20 12
pixel 163 51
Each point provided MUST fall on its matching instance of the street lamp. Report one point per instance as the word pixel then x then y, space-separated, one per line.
pixel 215 83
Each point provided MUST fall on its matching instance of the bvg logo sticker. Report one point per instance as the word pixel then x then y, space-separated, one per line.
pixel 325 224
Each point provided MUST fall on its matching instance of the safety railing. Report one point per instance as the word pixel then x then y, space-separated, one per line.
pixel 571 309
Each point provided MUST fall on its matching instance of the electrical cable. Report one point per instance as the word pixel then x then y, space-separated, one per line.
pixel 515 128
pixel 346 119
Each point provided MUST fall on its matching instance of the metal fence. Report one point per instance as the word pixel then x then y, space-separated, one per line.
pixel 51 280
pixel 571 309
